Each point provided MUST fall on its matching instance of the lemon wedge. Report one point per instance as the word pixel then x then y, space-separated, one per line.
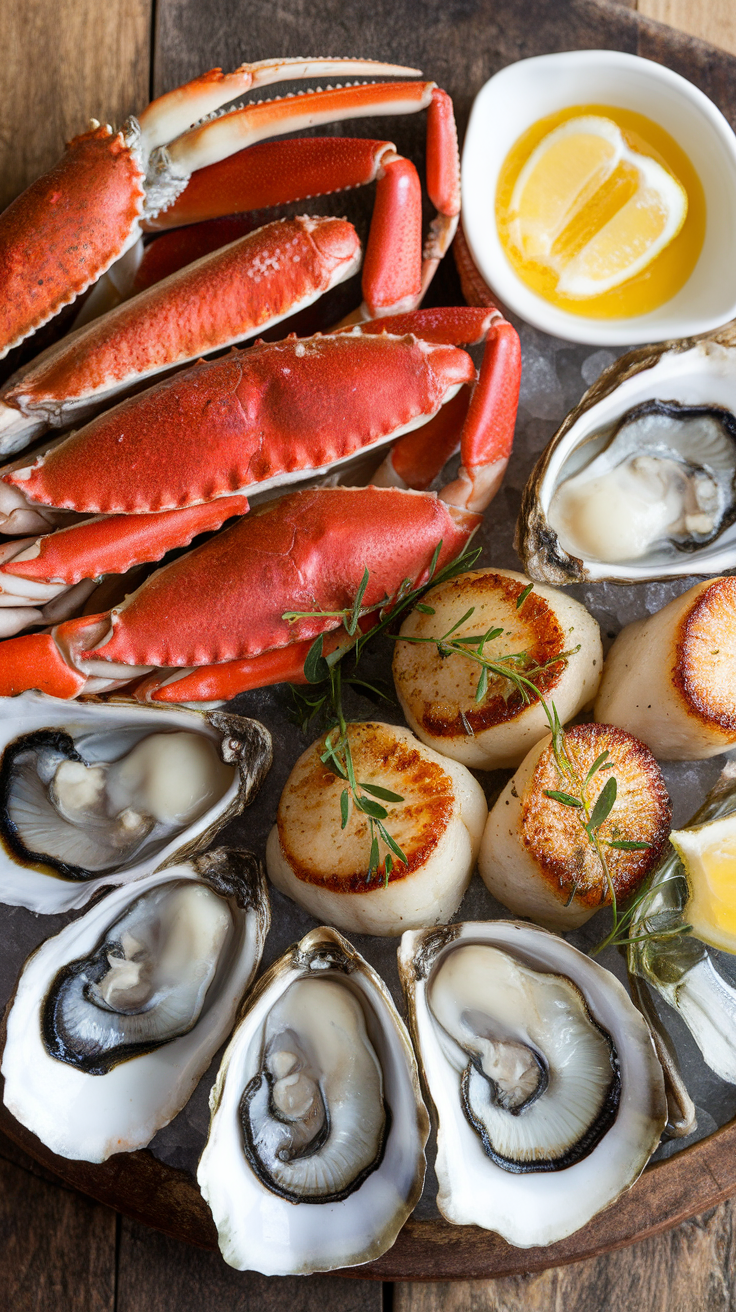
pixel 708 853
pixel 592 209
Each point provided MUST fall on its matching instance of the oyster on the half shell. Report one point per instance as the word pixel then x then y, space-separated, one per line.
pixel 315 1155
pixel 115 1019
pixel 639 482
pixel 93 794
pixel 548 1093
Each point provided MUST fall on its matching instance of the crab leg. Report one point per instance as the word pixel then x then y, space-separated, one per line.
pixel 220 137
pixel 395 277
pixel 35 660
pixel 73 223
pixel 222 298
pixel 172 113
pixel 280 171
pixel 105 545
pixel 48 579
pixel 487 432
pixel 67 228
pixel 15 615
pixel 226 601
pixel 206 683
pixel 145 265
pixel 259 178
pixel 247 422
pixel 443 181
pixel 274 173
pixel 417 458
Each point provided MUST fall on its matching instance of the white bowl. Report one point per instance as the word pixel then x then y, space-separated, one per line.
pixel 524 92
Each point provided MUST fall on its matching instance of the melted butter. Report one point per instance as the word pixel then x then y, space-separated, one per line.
pixel 666 273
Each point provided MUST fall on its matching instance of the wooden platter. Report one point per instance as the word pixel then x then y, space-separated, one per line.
pixel 682 1186
pixel 459 43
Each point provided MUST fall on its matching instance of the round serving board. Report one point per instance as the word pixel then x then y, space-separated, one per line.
pixel 683 1186
pixel 459 43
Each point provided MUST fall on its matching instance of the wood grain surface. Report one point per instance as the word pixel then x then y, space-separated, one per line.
pixel 711 20
pixel 65 61
pixel 58 1248
pixel 688 1269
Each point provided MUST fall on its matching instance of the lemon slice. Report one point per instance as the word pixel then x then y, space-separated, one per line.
pixel 592 209
pixel 708 853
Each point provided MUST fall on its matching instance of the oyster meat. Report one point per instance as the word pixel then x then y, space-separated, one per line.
pixel 666 476
pixel 639 482
pixel 548 1093
pixel 542 1083
pixel 315 1154
pixel 314 1118
pixel 117 1017
pixel 100 794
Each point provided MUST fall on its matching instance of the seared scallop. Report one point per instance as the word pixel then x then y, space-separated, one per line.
pixel 671 678
pixel 537 857
pixel 438 825
pixel 438 691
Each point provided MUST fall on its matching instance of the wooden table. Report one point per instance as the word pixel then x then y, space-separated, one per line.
pixel 61 1252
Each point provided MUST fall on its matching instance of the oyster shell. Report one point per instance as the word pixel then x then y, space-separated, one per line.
pixel 315 1154
pixel 98 794
pixel 639 482
pixel 116 1018
pixel 548 1093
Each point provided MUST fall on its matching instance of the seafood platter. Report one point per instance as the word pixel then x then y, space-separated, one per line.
pixel 368 829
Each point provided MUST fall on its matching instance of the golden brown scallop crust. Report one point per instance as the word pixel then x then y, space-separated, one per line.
pixel 534 629
pixel 705 657
pixel 309 811
pixel 553 833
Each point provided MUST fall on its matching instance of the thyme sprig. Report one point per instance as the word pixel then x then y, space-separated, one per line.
pixel 524 676
pixel 337 757
pixel 620 935
pixel 390 606
pixel 517 667
pixel 325 679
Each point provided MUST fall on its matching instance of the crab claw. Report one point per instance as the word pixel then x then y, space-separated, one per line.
pixel 483 429
pixel 488 432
